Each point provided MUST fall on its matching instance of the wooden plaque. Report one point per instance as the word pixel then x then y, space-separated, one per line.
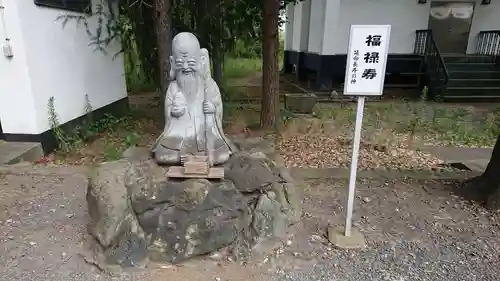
pixel 199 168
pixel 179 172
pixel 196 166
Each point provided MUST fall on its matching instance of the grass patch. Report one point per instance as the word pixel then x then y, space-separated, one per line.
pixel 249 113
pixel 138 81
pixel 434 124
pixel 385 123
pixel 241 67
pixel 110 137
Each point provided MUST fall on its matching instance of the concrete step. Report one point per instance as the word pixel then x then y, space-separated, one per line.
pixel 474 74
pixel 474 83
pixel 475 159
pixel 470 94
pixel 468 59
pixel 15 152
pixel 470 66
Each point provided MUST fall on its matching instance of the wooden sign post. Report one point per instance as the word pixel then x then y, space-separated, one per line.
pixel 365 74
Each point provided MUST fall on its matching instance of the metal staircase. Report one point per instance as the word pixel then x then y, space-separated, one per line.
pixel 460 77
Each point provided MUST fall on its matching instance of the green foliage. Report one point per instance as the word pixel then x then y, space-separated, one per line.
pixel 66 141
pixel 87 131
pixel 419 110
pixel 112 151
pixel 247 49
pixel 132 139
pixel 107 123
pixel 425 93
pixel 138 77
pixel 131 23
pixel 230 93
pixel 286 114
pixel 223 26
pixel 236 68
pixel 252 48
pixel 88 106
pixel 282 50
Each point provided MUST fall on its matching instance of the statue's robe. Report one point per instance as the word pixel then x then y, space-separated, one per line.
pixel 187 134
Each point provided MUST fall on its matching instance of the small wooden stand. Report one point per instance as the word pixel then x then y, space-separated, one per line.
pixel 195 167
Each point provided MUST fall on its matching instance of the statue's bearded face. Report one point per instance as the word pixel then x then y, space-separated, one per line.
pixel 186 53
pixel 186 63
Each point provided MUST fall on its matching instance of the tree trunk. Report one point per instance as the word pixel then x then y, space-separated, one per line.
pixel 217 62
pixel 216 33
pixel 163 27
pixel 485 188
pixel 269 116
pixel 493 167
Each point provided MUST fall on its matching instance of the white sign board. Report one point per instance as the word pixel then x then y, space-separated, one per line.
pixel 366 60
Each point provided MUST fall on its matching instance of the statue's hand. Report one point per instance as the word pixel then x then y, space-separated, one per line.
pixel 208 107
pixel 177 111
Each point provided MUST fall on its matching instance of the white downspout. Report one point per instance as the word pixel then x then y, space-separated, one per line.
pixel 6 47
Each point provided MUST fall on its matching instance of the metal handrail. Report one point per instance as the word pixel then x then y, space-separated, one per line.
pixel 441 59
pixel 426 45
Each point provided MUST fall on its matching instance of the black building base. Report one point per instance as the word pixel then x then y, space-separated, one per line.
pixel 327 70
pixel 48 140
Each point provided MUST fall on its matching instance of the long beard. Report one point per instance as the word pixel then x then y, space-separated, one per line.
pixel 188 84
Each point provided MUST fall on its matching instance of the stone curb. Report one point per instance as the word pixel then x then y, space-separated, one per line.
pixel 44 170
pixel 343 174
pixel 297 173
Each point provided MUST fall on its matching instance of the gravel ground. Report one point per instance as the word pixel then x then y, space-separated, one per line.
pixel 415 230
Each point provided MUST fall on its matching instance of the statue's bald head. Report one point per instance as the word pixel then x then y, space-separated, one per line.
pixel 186 56
pixel 185 43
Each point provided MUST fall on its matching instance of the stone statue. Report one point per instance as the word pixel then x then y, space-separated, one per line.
pixel 193 108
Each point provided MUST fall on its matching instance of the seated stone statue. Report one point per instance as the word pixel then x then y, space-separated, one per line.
pixel 193 108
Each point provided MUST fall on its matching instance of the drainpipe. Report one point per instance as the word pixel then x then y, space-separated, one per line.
pixel 6 47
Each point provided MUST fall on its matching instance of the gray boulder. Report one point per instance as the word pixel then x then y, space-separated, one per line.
pixel 192 217
pixel 113 221
pixel 139 215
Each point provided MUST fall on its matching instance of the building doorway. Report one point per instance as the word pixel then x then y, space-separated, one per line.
pixel 450 23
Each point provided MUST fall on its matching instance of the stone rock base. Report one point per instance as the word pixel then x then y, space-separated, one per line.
pixel 137 214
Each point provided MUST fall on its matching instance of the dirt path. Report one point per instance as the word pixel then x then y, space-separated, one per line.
pixel 415 230
pixel 43 236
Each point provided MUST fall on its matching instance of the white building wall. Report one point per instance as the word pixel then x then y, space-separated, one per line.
pixel 329 31
pixel 57 62
pixel 316 26
pixel 17 108
pixel 289 27
pixel 304 25
pixel 486 17
pixel 405 16
pixel 297 26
